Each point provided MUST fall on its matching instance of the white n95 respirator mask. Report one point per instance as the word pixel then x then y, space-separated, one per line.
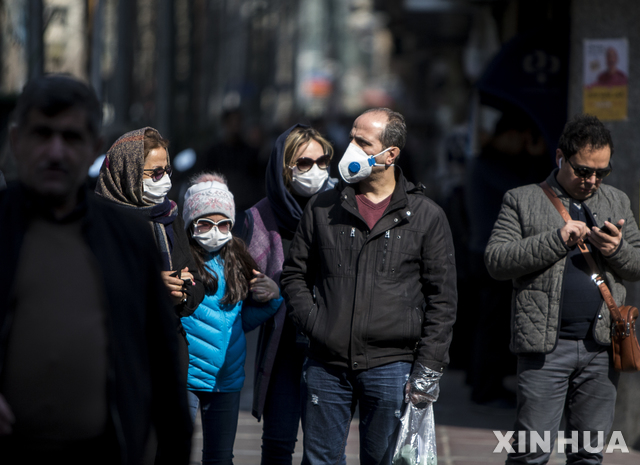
pixel 356 165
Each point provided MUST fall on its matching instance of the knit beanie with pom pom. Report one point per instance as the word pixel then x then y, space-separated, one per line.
pixel 208 195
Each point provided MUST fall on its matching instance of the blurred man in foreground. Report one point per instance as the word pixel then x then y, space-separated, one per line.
pixel 88 352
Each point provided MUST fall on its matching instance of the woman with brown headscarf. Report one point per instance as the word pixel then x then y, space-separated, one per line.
pixel 136 175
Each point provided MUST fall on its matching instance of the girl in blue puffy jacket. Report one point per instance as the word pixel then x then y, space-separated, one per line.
pixel 215 331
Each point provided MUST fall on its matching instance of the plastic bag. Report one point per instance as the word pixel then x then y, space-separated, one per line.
pixel 416 443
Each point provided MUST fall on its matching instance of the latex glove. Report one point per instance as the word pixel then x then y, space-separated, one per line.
pixel 423 385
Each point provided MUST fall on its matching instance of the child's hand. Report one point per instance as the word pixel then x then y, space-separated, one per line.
pixel 263 288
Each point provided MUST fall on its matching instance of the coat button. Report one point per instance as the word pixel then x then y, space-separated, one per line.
pixel 355 364
pixel 599 317
pixel 395 220
pixel 408 213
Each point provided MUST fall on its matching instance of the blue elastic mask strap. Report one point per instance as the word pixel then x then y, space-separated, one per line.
pixel 372 158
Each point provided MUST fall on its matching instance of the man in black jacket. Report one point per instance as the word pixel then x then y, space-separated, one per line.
pixel 88 349
pixel 371 281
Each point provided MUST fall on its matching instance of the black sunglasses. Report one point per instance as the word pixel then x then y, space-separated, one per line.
pixel 584 172
pixel 204 225
pixel 304 164
pixel 157 173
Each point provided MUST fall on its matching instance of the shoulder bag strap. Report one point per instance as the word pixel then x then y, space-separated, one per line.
pixel 595 276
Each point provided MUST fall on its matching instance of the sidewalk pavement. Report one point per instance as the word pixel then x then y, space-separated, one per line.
pixel 464 431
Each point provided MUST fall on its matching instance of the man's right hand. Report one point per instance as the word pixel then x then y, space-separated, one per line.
pixel 573 231
pixel 6 417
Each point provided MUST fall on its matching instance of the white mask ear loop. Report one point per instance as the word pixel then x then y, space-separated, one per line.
pixel 372 158
pixel 560 163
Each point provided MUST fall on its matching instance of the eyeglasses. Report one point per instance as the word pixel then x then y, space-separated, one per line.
pixel 158 173
pixel 304 164
pixel 204 225
pixel 586 173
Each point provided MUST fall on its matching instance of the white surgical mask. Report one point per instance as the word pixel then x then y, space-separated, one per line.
pixel 308 183
pixel 155 192
pixel 355 164
pixel 212 240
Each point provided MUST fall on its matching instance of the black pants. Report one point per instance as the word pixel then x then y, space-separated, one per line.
pixel 21 450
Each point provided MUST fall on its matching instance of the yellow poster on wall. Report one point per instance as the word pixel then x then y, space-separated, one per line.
pixel 605 87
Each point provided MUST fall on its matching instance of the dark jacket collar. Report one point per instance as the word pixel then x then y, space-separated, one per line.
pixel 399 198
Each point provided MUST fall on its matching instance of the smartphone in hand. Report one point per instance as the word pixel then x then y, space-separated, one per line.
pixel 606 230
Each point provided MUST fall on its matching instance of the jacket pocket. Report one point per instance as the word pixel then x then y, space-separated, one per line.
pixel 534 324
pixel 337 257
pixel 413 326
pixel 309 323
pixel 397 254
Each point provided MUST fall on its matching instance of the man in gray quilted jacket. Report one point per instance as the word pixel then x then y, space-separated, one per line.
pixel 560 325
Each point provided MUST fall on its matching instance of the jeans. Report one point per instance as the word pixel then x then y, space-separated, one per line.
pixel 281 416
pixel 194 405
pixel 577 378
pixel 219 411
pixel 330 395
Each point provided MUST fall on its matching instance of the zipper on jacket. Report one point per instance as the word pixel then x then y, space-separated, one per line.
pixel 352 235
pixel 602 269
pixel 564 271
pixel 387 235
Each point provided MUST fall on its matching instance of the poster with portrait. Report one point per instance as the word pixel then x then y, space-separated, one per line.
pixel 606 74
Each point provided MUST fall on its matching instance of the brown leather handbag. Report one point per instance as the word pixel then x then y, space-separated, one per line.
pixel 626 350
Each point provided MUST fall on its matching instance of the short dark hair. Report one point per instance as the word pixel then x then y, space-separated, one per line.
pixel 54 93
pixel 584 131
pixel 395 132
